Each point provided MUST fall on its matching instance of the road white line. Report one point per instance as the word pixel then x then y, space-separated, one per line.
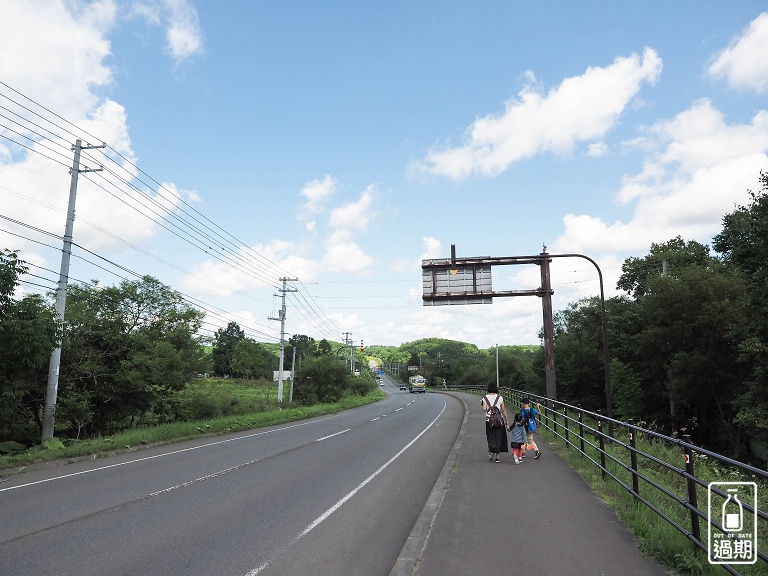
pixel 325 515
pixel 377 417
pixel 162 455
pixel 332 435
pixel 398 410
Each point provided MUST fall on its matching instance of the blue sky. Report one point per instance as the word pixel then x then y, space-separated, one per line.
pixel 342 142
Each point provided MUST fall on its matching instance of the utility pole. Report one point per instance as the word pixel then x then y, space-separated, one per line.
pixel 51 391
pixel 549 330
pixel 347 344
pixel 293 374
pixel 281 317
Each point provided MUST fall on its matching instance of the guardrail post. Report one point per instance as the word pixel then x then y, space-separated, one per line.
pixel 692 499
pixel 565 422
pixel 602 442
pixel 554 418
pixel 633 457
pixel 581 429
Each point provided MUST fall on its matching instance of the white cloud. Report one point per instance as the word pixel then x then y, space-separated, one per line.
pixel 355 215
pixel 581 109
pixel 597 149
pixel 214 277
pixel 744 63
pixel 317 192
pixel 701 169
pixel 343 254
pixel 67 51
pixel 432 250
pixel 183 34
pixel 68 56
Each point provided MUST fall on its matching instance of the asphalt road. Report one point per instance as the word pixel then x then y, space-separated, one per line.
pixel 332 495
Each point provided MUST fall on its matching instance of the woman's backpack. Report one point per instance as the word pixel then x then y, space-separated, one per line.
pixel 495 419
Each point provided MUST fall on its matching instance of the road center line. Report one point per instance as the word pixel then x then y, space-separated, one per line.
pixel 332 435
pixel 325 515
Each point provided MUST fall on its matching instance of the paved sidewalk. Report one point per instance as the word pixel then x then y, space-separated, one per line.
pixel 539 517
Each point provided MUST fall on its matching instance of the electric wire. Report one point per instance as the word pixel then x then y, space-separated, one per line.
pixel 272 267
pixel 195 302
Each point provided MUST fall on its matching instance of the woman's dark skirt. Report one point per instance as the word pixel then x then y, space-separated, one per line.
pixel 497 439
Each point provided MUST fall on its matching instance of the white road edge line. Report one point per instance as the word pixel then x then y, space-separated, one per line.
pixel 324 516
pixel 161 455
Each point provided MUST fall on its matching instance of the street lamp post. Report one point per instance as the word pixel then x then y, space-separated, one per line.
pixel 606 355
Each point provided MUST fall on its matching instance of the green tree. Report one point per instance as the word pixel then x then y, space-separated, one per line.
pixel 224 342
pixel 324 348
pixel 250 360
pixel 126 350
pixel 743 244
pixel 324 379
pixel 305 347
pixel 666 259
pixel 579 355
pixel 29 333
pixel 677 341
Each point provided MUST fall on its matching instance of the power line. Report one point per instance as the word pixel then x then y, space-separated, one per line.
pixel 200 231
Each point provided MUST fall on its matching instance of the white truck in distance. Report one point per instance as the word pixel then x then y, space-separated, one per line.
pixel 417 384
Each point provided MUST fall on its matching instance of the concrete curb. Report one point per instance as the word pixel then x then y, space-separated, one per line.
pixel 408 560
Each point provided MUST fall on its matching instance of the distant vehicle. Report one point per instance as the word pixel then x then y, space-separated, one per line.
pixel 403 387
pixel 381 383
pixel 417 384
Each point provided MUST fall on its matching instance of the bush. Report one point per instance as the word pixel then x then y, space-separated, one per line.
pixel 327 379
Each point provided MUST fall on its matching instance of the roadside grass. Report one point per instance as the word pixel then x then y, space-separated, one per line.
pixel 137 438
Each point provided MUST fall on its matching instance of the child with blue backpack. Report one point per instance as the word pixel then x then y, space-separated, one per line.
pixel 528 415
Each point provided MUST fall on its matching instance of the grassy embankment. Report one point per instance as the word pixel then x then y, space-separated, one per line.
pixel 227 406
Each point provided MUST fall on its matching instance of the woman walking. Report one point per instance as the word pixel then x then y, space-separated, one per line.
pixel 495 434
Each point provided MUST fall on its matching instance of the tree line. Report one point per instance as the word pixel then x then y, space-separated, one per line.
pixel 688 340
pixel 127 351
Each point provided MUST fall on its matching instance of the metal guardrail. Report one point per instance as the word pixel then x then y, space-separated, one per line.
pixel 628 465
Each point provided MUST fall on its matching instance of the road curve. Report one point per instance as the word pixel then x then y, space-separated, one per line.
pixel 331 495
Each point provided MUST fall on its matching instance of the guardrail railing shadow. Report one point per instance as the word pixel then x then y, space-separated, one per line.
pixel 673 492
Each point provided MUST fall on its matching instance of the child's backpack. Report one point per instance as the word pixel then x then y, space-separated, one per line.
pixel 495 419
pixel 530 421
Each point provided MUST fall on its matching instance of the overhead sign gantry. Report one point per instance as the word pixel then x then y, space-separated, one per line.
pixel 453 280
